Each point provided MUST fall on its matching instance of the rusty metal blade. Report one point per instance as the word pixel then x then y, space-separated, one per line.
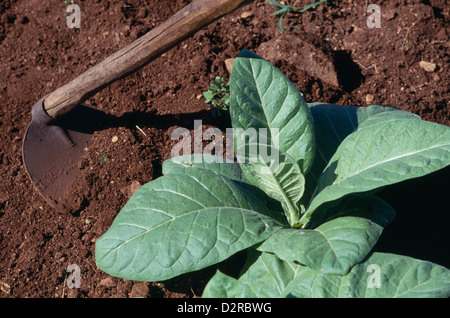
pixel 52 150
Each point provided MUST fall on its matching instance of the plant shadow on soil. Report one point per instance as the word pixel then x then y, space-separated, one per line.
pixel 420 228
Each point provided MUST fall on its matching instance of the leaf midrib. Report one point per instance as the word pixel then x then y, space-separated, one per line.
pixel 148 230
pixel 389 160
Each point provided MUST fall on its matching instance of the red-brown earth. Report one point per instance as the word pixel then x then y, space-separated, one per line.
pixel 404 63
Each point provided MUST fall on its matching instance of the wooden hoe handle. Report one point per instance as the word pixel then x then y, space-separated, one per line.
pixel 131 58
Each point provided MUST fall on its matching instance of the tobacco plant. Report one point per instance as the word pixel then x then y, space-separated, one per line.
pixel 303 204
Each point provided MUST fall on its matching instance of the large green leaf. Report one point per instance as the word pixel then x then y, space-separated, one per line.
pixel 333 247
pixel 224 286
pixel 387 116
pixel 180 223
pixel 262 97
pixel 381 275
pixel 368 207
pixel 188 163
pixel 266 276
pixel 333 123
pixel 185 163
pixel 281 179
pixel 382 153
pixel 273 131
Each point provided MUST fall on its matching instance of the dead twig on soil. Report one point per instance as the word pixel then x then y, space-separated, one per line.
pixel 139 128
pixel 374 66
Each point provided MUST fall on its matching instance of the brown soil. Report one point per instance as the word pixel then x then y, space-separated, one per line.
pixel 358 66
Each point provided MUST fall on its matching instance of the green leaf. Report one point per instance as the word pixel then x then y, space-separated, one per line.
pixel 381 275
pixel 281 179
pixel 386 117
pixel 224 286
pixel 372 208
pixel 333 123
pixel 262 97
pixel 381 154
pixel 208 95
pixel 280 21
pixel 312 5
pixel 185 163
pixel 188 163
pixel 265 276
pixel 277 3
pixel 180 223
pixel 269 116
pixel 333 247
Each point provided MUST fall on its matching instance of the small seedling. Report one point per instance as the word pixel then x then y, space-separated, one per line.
pixel 285 8
pixel 218 96
pixel 103 156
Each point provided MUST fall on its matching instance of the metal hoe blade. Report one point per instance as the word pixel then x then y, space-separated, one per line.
pixel 52 149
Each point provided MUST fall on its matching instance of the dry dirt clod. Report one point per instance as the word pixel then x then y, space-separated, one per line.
pixel 246 14
pixel 139 290
pixel 129 190
pixel 369 99
pixel 229 64
pixel 427 66
pixel 107 282
pixel 316 55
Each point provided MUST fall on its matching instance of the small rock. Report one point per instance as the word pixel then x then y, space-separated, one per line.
pixel 107 282
pixel 142 13
pixel 389 14
pixel 129 190
pixel 115 139
pixel 139 290
pixel 436 77
pixel 246 14
pixel 442 35
pixel 427 66
pixel 369 99
pixel 229 64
